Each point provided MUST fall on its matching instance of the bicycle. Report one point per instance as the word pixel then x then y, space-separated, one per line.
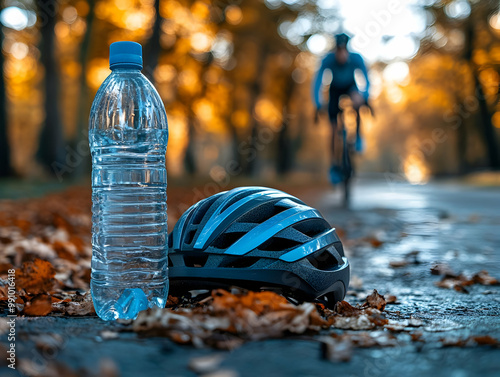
pixel 344 150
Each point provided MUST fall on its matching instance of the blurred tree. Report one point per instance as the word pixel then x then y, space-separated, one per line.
pixel 265 61
pixel 222 68
pixel 84 95
pixel 5 164
pixel 51 143
pixel 469 25
pixel 152 47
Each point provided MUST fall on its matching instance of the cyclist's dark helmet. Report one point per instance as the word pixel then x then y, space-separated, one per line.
pixel 341 40
pixel 258 238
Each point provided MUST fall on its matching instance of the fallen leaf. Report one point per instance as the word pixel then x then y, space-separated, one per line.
pixel 486 340
pixel 484 278
pixel 346 309
pixel 417 336
pixel 459 282
pixel 78 305
pixel 36 277
pixel 39 305
pixel 390 299
pixel 399 263
pixel 374 242
pixel 443 269
pixel 375 300
pixel 483 340
pixel 410 258
pixel 227 319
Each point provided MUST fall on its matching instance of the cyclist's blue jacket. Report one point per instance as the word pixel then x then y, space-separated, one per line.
pixel 343 75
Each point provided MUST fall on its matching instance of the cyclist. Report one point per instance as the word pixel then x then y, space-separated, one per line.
pixel 342 64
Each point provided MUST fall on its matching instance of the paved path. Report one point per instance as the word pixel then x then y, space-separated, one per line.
pixel 458 225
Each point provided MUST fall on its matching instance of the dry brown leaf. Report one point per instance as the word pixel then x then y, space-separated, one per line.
pixel 484 278
pixel 345 309
pixel 374 242
pixel 375 300
pixel 36 277
pixel 483 340
pixel 39 305
pixel 486 340
pixel 76 305
pixel 399 263
pixel 417 336
pixel 390 299
pixel 65 250
pixel 459 282
pixel 226 319
pixel 409 258
pixel 443 269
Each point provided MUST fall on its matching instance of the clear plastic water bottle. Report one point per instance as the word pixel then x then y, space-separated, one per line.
pixel 128 135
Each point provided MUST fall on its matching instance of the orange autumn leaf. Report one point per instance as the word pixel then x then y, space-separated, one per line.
pixel 375 300
pixel 346 309
pixel 36 276
pixel 484 278
pixel 39 305
pixel 486 340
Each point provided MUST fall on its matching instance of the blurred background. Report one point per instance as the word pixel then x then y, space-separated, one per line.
pixel 235 77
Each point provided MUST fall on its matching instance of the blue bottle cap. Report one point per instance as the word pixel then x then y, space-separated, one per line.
pixel 125 55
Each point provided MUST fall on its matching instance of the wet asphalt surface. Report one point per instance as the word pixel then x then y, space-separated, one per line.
pixel 451 223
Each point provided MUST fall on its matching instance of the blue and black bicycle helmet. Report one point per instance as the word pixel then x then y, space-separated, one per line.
pixel 341 40
pixel 258 238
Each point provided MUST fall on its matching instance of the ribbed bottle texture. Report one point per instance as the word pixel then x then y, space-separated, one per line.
pixel 128 136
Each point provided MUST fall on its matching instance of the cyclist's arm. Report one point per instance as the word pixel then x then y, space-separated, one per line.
pixel 318 82
pixel 362 67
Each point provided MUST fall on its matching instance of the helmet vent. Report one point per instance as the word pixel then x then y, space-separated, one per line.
pixel 278 244
pixel 324 261
pixel 226 240
pixel 234 199
pixel 200 212
pixel 195 260
pixel 262 213
pixel 312 227
pixel 240 262
pixel 189 237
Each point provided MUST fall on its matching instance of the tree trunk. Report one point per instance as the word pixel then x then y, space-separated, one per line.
pixel 489 134
pixel 84 100
pixel 285 153
pixel 189 157
pixel 152 47
pixel 5 164
pixel 51 142
pixel 251 165
pixel 487 130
